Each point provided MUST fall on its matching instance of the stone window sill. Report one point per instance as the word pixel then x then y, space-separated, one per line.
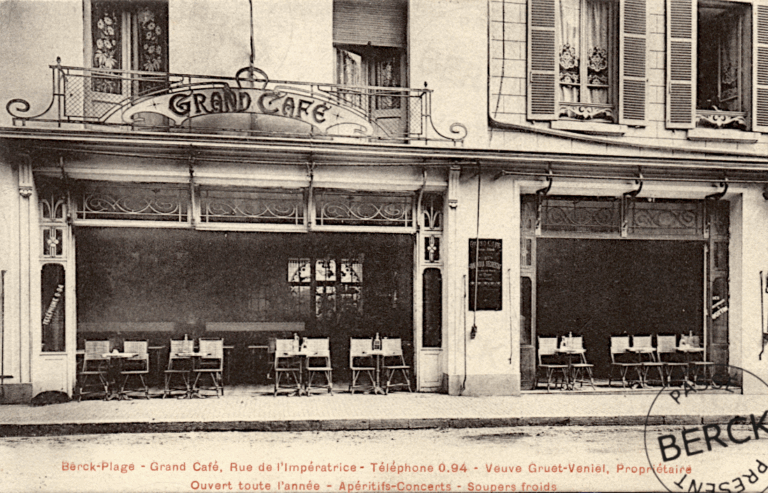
pixel 722 135
pixel 592 128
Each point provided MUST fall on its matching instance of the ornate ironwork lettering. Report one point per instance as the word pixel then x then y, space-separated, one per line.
pixel 335 110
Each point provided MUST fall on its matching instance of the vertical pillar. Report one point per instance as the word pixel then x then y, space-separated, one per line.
pixel 452 291
pixel 26 185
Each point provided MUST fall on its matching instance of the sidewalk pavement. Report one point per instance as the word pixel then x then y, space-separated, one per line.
pixel 250 409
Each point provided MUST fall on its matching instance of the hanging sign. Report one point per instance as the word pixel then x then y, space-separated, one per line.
pixel 484 274
pixel 324 113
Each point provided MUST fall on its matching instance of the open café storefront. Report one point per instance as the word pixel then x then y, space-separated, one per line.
pixel 161 262
pixel 159 284
pixel 601 267
pixel 244 287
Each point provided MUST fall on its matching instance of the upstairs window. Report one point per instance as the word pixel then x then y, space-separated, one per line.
pixel 587 60
pixel 721 75
pixel 369 38
pixel 717 64
pixel 129 36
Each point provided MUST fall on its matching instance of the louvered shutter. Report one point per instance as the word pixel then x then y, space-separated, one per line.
pixel 681 63
pixel 632 62
pixel 542 69
pixel 760 64
pixel 378 22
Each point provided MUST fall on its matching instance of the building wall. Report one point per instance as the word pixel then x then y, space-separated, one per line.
pixel 749 250
pixel 491 359
pixel 292 40
pixel 508 88
pixel 454 66
pixel 32 35
pixel 472 53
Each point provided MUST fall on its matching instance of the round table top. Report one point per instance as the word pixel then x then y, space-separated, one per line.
pixel 571 350
pixel 119 355
pixel 690 349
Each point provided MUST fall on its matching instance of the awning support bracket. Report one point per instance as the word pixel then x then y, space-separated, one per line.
pixel 540 193
pixel 309 216
pixel 625 198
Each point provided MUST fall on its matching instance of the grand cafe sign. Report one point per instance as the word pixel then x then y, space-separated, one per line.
pixel 323 111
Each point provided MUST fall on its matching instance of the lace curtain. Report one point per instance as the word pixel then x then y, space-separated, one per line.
pixel 349 67
pixel 593 51
pixel 729 68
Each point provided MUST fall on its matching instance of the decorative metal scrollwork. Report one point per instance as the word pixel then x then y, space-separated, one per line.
pixel 105 95
pixel 364 210
pixel 432 210
pixel 133 203
pixel 580 215
pixel 252 207
pixel 721 119
pixel 586 112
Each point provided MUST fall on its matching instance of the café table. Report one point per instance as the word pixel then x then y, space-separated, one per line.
pixel 689 352
pixel 570 353
pixel 302 354
pixel 193 356
pixel 116 359
pixel 378 355
pixel 641 368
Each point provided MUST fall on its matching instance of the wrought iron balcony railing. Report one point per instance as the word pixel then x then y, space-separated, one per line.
pixel 248 104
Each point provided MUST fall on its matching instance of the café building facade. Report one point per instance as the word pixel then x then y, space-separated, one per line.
pixel 252 170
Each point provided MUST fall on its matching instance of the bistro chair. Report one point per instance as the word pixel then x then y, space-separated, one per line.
pixel 621 359
pixel 135 367
pixel 361 361
pixel 179 367
pixel 699 366
pixel 581 370
pixel 666 353
pixel 93 377
pixel 550 361
pixel 393 363
pixel 286 365
pixel 318 362
pixel 643 346
pixel 211 363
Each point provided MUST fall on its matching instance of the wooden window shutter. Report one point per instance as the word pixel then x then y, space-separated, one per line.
pixel 542 68
pixel 760 64
pixel 378 22
pixel 632 62
pixel 681 63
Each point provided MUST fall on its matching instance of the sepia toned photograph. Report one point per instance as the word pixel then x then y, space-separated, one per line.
pixel 383 245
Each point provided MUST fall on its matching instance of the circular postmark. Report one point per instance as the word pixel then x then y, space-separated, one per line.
pixel 710 436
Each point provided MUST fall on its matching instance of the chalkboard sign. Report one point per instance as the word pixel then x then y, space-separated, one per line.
pixel 485 274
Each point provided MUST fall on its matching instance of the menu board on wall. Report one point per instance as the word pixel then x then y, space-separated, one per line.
pixel 485 274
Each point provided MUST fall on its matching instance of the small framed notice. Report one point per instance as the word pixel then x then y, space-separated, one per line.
pixel 484 274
